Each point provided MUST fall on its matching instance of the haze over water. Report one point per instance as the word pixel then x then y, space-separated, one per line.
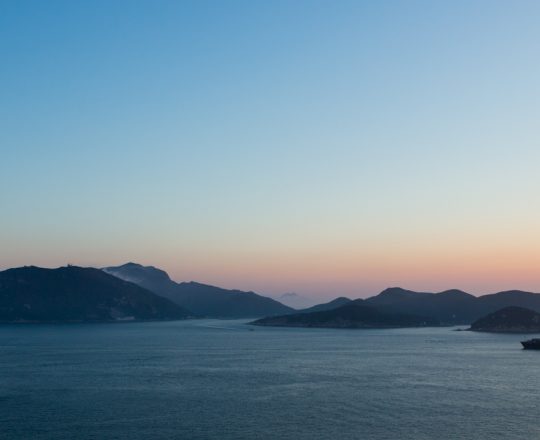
pixel 210 379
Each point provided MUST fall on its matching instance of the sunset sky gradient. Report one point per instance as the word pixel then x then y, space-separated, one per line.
pixel 321 147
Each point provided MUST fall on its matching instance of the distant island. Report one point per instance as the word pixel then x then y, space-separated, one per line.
pixel 396 307
pixel 354 314
pixel 451 307
pixel 509 320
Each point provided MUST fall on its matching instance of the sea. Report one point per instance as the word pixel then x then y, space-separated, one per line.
pixel 217 379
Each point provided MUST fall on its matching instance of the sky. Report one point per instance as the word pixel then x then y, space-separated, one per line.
pixel 320 147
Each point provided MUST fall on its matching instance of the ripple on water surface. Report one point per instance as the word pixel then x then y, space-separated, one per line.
pixel 210 379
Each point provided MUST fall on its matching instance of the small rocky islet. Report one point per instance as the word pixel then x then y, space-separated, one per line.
pixel 509 320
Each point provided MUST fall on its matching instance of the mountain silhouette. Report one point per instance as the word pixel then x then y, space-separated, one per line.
pixel 450 307
pixel 334 304
pixel 354 314
pixel 201 299
pixel 78 294
pixel 509 320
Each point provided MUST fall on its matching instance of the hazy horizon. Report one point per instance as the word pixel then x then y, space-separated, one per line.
pixel 328 149
pixel 312 295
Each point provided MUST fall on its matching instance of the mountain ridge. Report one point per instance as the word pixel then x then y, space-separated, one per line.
pixel 77 294
pixel 354 315
pixel 201 299
pixel 333 304
pixel 451 306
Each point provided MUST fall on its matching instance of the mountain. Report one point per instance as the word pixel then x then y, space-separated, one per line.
pixel 451 307
pixel 295 300
pixel 201 299
pixel 78 294
pixel 355 314
pixel 509 320
pixel 334 304
pixel 518 298
pixel 394 294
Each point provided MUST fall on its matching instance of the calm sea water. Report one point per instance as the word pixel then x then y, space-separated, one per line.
pixel 218 380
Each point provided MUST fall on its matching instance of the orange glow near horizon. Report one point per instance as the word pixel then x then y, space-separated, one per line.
pixel 475 263
pixel 481 272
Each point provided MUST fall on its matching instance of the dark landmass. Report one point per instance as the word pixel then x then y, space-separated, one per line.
pixel 201 299
pixel 451 307
pixel 509 320
pixel 334 304
pixel 355 314
pixel 76 294
pixel 135 292
pixel 510 298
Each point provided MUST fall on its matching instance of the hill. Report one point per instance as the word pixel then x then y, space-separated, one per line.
pixel 451 307
pixel 355 315
pixel 493 302
pixel 201 299
pixel 509 320
pixel 334 304
pixel 76 294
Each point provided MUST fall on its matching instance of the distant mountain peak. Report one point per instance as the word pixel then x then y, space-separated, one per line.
pixel 401 292
pixel 290 295
pixel 134 272
pixel 392 290
pixel 454 292
pixel 294 300
pixel 201 299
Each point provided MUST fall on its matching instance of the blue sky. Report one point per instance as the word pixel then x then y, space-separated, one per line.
pixel 321 147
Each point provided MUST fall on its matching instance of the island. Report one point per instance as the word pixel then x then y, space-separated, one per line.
pixel 354 315
pixel 509 320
